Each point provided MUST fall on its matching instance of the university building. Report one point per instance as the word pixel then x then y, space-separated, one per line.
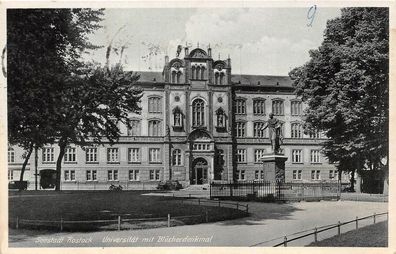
pixel 199 123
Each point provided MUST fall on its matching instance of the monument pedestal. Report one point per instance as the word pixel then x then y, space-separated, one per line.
pixel 274 167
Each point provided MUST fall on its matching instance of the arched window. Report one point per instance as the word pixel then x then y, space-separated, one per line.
pixel 193 72
pixel 154 105
pixel 296 130
pixel 176 157
pixel 198 112
pixel 174 77
pixel 154 128
pixel 178 77
pixel 216 78
pixel 197 72
pixel 221 78
pixel 202 73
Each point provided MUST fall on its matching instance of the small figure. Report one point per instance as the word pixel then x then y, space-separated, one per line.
pixel 275 133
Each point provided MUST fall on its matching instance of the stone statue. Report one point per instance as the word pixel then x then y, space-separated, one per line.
pixel 275 133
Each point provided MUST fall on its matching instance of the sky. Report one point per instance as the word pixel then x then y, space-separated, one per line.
pixel 262 41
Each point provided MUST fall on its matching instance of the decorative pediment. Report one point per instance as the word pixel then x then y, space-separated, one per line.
pixel 199 134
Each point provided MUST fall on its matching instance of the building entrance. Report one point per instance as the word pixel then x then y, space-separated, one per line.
pixel 199 172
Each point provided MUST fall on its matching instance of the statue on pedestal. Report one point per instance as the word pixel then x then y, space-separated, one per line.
pixel 275 133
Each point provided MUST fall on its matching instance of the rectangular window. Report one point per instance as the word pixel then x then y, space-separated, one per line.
pixel 112 175
pixel 315 174
pixel 296 130
pixel 133 155
pixel 258 153
pixel 297 174
pixel 297 156
pixel 91 155
pixel 10 174
pixel 333 175
pixel 70 175
pixel 241 174
pixel 258 132
pixel 70 154
pixel 277 107
pixel 134 175
pixel 112 155
pixel 240 106
pixel 134 130
pixel 11 155
pixel 91 175
pixel 314 134
pixel 155 174
pixel 241 155
pixel 154 105
pixel 296 108
pixel 259 107
pixel 154 128
pixel 259 175
pixel 240 128
pixel 48 154
pixel 315 156
pixel 154 155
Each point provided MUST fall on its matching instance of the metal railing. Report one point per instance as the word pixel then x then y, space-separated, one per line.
pixel 265 190
pixel 315 231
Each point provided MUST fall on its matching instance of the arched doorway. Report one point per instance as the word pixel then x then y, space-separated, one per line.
pixel 199 174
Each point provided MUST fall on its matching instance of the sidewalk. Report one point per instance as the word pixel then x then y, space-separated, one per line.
pixel 267 221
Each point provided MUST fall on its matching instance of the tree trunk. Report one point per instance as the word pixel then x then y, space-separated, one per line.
pixel 353 180
pixel 29 152
pixel 62 146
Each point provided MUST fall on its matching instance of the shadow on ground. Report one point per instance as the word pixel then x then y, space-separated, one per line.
pixel 259 212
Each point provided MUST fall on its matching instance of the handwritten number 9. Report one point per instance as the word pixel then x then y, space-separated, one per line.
pixel 311 15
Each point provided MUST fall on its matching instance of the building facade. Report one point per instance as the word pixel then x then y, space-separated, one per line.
pixel 199 123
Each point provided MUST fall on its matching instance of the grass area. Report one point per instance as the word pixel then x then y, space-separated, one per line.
pixel 370 236
pixel 106 205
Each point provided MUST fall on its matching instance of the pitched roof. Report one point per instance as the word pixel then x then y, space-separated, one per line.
pixel 261 80
pixel 248 80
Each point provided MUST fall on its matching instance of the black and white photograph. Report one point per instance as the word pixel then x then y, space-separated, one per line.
pixel 196 126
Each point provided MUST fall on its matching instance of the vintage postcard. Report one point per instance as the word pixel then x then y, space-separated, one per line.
pixel 196 124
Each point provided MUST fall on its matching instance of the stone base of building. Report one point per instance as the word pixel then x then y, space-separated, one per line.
pixel 274 167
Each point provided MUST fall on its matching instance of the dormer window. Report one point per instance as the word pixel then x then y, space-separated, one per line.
pixel 221 120
pixel 177 119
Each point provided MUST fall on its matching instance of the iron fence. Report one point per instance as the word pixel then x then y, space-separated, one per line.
pixel 272 191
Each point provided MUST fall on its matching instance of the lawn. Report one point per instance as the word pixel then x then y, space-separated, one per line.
pixel 370 236
pixel 107 205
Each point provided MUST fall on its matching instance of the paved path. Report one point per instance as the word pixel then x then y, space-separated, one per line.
pixel 264 224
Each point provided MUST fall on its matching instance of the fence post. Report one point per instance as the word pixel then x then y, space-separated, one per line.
pixel 61 224
pixel 316 235
pixel 119 223
pixel 357 225
pixel 17 222
pixel 206 216
pixel 169 218
pixel 285 241
pixel 339 228
pixel 374 218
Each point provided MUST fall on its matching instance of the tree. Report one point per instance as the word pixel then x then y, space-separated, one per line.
pixel 43 47
pixel 345 85
pixel 93 103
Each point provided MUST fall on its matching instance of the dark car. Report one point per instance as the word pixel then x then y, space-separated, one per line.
pixel 16 185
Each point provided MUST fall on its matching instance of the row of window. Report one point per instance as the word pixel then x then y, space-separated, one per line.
pixel 277 107
pixel 296 154
pixel 259 132
pixel 297 174
pixel 91 155
pixel 112 175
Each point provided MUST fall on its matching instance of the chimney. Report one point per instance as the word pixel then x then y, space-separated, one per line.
pixel 186 51
pixel 209 51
